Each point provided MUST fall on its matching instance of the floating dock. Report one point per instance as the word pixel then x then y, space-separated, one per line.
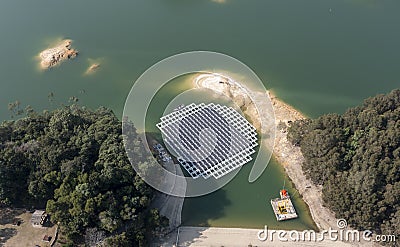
pixel 283 207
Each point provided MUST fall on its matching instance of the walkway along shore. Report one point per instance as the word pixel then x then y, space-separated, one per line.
pixel 291 158
pixel 235 237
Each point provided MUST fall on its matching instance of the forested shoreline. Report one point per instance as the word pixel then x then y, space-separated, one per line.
pixel 72 162
pixel 356 158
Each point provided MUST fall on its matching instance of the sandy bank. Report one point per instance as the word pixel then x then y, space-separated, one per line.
pixel 291 158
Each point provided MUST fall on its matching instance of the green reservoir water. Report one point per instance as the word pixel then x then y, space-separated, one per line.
pixel 319 56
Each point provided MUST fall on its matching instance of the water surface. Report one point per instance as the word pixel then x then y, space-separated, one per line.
pixel 320 56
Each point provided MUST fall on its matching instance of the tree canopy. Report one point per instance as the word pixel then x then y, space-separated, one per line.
pixel 72 161
pixel 356 158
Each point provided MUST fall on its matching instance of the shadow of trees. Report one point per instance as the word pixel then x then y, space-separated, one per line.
pixel 6 234
pixel 9 216
pixel 198 211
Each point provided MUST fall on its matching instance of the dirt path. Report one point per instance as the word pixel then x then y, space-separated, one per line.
pixel 24 234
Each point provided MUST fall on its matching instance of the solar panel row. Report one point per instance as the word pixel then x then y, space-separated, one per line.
pixel 210 140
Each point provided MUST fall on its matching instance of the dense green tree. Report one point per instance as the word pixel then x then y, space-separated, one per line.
pixel 356 158
pixel 73 162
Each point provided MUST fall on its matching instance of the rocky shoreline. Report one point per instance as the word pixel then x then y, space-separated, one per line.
pixel 288 155
pixel 55 55
pixel 291 158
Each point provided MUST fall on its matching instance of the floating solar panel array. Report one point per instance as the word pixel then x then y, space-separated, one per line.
pixel 209 140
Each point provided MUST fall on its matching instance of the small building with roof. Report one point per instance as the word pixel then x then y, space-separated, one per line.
pixel 39 218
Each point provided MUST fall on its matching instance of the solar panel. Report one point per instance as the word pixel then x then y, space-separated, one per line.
pixel 210 140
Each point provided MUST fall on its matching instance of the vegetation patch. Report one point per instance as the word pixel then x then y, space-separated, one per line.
pixel 356 158
pixel 72 162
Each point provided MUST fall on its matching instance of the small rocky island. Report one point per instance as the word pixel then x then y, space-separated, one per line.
pixel 55 55
pixel 92 68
